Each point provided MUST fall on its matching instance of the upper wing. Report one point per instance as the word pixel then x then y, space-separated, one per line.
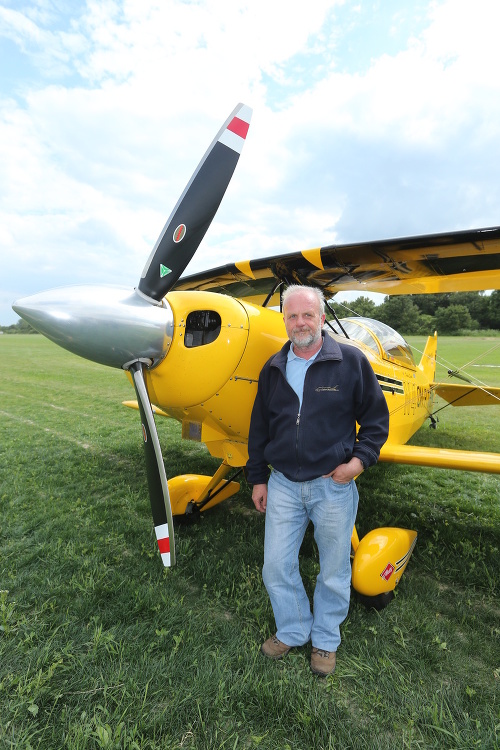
pixel 456 261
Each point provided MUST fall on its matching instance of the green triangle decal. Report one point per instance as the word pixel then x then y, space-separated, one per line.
pixel 164 271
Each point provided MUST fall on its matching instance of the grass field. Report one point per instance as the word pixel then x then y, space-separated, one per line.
pixel 100 647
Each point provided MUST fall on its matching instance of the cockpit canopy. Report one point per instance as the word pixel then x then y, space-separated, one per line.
pixel 379 336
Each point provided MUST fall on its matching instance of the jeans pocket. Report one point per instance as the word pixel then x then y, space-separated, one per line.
pixel 339 484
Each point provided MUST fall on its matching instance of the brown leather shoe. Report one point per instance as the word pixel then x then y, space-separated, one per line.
pixel 274 648
pixel 323 662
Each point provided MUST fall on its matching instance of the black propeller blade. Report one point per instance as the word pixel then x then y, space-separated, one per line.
pixel 176 246
pixel 155 468
pixel 196 208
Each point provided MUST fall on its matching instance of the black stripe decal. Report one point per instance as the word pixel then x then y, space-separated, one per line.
pixel 384 379
pixel 401 563
pixel 392 389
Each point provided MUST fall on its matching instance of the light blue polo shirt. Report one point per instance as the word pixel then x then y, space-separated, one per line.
pixel 296 368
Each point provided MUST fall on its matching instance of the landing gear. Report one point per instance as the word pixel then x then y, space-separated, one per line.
pixel 191 515
pixel 378 562
pixel 192 493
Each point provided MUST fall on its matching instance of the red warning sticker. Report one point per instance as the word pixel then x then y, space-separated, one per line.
pixel 387 572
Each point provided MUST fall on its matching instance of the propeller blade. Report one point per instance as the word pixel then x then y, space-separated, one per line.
pixel 196 208
pixel 157 478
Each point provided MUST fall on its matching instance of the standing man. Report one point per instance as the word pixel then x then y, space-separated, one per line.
pixel 310 396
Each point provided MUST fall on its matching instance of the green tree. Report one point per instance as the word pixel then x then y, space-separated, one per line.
pixel 477 304
pixel 20 327
pixel 494 309
pixel 426 324
pixel 429 303
pixel 401 313
pixel 364 306
pixel 453 319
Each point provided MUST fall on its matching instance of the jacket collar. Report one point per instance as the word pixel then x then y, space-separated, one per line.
pixel 329 350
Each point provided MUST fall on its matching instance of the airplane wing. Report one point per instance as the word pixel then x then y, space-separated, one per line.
pixel 467 395
pixel 441 458
pixel 427 264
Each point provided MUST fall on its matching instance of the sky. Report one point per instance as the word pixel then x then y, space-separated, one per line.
pixel 371 119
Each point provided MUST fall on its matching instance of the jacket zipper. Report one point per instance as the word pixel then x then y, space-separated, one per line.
pixel 297 424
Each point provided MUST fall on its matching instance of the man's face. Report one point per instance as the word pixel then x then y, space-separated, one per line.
pixel 303 321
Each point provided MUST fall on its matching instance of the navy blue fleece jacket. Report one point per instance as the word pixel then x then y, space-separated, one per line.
pixel 340 389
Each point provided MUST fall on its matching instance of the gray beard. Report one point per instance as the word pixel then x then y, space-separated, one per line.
pixel 307 342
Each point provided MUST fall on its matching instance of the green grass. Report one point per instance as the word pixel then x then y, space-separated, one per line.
pixel 100 647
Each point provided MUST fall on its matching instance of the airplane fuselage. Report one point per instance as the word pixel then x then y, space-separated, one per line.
pixel 208 378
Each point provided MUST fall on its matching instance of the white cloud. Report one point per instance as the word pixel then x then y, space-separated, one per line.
pixel 100 135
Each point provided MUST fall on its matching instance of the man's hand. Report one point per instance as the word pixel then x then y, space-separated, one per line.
pixel 259 497
pixel 345 472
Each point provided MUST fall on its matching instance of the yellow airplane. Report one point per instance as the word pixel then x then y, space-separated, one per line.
pixel 193 347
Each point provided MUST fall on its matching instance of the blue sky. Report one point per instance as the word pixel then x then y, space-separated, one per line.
pixel 372 119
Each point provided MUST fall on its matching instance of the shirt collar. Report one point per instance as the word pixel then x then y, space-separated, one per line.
pixel 292 356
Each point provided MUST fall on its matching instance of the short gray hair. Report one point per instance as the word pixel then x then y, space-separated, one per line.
pixel 295 288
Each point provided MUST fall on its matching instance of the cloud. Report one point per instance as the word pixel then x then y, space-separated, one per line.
pixel 369 121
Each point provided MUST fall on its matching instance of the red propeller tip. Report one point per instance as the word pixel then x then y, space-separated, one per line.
pixel 162 535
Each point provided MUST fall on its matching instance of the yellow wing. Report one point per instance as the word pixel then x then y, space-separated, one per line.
pixel 467 395
pixel 428 264
pixel 441 458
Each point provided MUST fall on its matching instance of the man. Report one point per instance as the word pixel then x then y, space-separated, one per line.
pixel 303 425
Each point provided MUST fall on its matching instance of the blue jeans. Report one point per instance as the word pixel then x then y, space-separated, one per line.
pixel 332 508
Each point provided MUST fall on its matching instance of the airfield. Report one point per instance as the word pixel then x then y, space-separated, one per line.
pixel 101 647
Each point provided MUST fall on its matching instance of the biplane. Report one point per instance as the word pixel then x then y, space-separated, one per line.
pixel 193 346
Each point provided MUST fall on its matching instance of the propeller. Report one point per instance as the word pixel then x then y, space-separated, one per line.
pixel 155 470
pixel 174 248
pixel 133 329
pixel 196 208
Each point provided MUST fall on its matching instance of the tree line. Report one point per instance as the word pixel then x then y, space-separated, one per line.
pixel 20 327
pixel 450 313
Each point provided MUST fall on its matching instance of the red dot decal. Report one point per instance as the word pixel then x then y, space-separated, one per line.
pixel 180 233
